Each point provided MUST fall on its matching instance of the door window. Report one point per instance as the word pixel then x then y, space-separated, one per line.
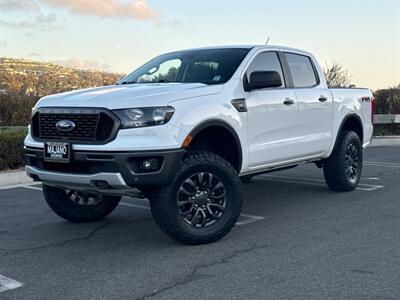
pixel 266 61
pixel 301 69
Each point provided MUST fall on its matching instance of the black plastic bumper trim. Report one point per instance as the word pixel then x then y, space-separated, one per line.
pixel 120 161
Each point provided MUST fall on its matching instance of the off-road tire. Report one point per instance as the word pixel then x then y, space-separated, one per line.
pixel 335 166
pixel 246 178
pixel 165 209
pixel 149 193
pixel 63 206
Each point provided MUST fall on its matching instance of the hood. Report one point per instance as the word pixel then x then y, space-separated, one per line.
pixel 129 95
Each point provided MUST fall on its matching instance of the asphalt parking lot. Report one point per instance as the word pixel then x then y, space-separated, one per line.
pixel 295 240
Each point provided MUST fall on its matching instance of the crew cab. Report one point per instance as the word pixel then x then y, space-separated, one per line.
pixel 188 128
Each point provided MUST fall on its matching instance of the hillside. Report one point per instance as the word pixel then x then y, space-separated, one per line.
pixel 26 77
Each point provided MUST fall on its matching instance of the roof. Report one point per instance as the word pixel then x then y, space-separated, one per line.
pixel 274 47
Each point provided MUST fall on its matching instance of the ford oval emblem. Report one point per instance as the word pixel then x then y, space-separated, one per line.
pixel 65 125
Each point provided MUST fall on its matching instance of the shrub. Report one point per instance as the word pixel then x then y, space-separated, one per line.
pixel 11 149
pixel 387 101
pixel 15 110
pixel 386 129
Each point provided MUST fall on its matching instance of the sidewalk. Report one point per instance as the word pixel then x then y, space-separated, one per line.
pixel 16 177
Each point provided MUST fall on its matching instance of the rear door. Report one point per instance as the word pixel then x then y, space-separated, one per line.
pixel 314 105
pixel 272 116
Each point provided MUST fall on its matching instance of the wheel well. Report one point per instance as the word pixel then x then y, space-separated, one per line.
pixel 353 123
pixel 218 140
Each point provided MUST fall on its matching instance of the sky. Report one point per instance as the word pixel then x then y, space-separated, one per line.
pixel 120 35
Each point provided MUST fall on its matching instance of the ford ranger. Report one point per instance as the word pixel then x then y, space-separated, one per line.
pixel 188 128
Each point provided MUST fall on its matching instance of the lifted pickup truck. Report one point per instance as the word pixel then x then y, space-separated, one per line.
pixel 187 128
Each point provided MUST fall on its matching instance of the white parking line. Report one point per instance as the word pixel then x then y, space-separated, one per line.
pixel 371 178
pixel 317 182
pixel 37 188
pixel 134 205
pixel 142 200
pixel 7 284
pixel 249 219
pixel 381 164
pixel 13 186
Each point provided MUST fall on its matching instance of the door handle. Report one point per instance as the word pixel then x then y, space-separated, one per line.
pixel 288 101
pixel 322 98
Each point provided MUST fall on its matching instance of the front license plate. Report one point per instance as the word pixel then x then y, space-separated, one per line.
pixel 57 152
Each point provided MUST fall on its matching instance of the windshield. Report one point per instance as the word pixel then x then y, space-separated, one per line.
pixel 208 66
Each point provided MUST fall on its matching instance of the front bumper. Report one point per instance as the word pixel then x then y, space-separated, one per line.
pixel 103 172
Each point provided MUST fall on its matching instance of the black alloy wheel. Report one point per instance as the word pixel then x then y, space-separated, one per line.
pixel 201 199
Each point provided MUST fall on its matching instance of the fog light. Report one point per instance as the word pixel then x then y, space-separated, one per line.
pixel 146 165
pixel 102 184
pixel 150 164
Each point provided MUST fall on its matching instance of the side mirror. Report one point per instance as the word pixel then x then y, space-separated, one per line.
pixel 263 79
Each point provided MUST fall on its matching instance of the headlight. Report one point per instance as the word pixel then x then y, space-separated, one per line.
pixel 144 116
pixel 33 111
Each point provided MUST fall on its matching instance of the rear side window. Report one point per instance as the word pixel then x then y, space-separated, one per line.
pixel 266 61
pixel 302 70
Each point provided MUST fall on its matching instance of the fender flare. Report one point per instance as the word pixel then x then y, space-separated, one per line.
pixel 339 132
pixel 220 123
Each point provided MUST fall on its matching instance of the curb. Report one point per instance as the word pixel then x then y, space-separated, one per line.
pixel 381 141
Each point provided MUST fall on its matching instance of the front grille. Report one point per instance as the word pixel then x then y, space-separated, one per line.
pixel 85 126
pixel 94 126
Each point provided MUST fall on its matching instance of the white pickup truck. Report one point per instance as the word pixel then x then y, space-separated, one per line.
pixel 187 128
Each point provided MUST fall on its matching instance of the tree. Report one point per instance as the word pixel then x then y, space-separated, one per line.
pixel 336 75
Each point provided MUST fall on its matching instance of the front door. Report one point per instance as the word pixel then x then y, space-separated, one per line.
pixel 272 117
